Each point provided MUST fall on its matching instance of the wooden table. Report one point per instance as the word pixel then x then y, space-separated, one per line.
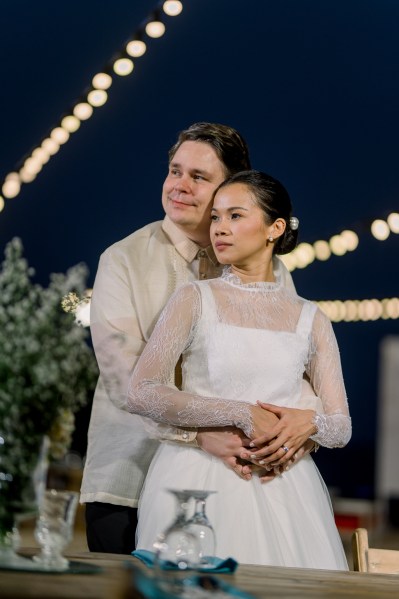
pixel 263 582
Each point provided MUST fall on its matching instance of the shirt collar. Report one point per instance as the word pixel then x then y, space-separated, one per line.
pixel 184 246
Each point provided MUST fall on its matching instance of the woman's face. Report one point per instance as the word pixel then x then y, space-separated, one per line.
pixel 239 233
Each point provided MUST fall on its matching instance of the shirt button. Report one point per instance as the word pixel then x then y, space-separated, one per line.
pixel 202 253
pixel 185 435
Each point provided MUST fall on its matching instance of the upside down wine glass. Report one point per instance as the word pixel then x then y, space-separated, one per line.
pixel 200 526
pixel 177 544
pixel 176 549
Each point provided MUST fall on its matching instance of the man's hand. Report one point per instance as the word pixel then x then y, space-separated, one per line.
pixel 227 444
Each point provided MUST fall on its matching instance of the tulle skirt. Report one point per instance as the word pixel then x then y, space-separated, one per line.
pixel 285 522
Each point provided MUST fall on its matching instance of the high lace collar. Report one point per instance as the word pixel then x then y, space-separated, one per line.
pixel 229 277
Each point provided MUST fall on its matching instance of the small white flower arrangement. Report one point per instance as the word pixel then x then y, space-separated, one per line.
pixel 47 367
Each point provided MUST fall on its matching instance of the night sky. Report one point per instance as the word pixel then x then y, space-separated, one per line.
pixel 313 87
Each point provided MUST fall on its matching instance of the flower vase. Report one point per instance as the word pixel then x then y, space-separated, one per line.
pixel 23 475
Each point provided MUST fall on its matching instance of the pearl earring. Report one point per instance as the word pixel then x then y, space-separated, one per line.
pixel 271 238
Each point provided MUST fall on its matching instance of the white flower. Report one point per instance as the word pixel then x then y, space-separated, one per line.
pixel 47 367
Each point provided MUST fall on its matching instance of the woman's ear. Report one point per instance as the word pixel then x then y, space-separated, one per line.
pixel 278 227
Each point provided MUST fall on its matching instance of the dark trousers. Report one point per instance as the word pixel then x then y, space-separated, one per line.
pixel 111 528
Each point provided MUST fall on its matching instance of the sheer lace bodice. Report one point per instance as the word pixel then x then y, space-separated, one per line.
pixel 240 343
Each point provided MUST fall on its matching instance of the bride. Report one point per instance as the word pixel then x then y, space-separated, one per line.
pixel 245 340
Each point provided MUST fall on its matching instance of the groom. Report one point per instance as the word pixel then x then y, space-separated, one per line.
pixel 135 279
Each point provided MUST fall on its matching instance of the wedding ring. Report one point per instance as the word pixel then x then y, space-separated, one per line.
pixel 285 448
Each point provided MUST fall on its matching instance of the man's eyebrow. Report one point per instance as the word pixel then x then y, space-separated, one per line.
pixel 194 170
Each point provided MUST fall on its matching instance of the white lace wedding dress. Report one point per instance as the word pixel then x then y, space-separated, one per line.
pixel 242 343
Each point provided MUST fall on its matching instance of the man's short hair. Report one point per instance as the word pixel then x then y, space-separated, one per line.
pixel 230 147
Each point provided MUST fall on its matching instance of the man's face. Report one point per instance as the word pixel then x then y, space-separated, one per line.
pixel 194 173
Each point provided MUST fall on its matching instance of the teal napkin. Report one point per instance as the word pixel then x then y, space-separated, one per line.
pixel 219 565
pixel 197 585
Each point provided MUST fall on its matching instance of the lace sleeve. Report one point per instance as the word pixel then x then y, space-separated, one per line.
pixel 150 393
pixel 334 427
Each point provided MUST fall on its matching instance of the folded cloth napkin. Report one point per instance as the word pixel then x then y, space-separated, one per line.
pixel 200 586
pixel 218 565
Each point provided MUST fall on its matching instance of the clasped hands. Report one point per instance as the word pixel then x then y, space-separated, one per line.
pixel 263 453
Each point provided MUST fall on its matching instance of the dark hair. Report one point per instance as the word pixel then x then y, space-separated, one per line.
pixel 229 145
pixel 272 197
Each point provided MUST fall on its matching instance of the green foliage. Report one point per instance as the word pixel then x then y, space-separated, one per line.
pixel 46 364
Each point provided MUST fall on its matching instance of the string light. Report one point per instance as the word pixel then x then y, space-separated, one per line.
pixel 101 81
pixel 393 222
pixel 136 48
pixel 338 245
pixel 32 166
pixel 172 8
pixel 155 29
pixel 50 146
pixel 11 186
pixel 361 310
pixel 59 135
pixel 97 96
pixel 70 123
pixel 123 66
pixel 41 155
pixel 350 239
pixel 380 229
pixel 336 310
pixel 322 250
pixel 26 175
pixel 83 111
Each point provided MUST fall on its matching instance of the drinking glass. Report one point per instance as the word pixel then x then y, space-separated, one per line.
pixel 54 528
pixel 200 526
pixel 176 549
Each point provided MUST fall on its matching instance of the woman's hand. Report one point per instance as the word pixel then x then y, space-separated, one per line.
pixel 279 445
pixel 308 447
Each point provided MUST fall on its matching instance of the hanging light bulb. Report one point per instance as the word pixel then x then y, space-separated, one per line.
pixel 337 245
pixel 155 29
pixel 60 135
pixel 393 222
pixel 136 48
pixel 32 166
pixel 304 255
pixel 27 176
pixel 380 229
pixel 350 239
pixel 50 146
pixel 97 97
pixel 322 250
pixel 11 188
pixel 172 7
pixel 123 66
pixel 83 111
pixel 13 176
pixel 41 155
pixel 101 81
pixel 70 123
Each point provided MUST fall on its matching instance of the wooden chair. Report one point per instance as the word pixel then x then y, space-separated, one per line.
pixel 368 559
